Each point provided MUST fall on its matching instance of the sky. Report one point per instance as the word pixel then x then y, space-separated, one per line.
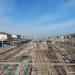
pixel 37 18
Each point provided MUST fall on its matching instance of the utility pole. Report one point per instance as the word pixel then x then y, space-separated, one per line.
pixel 13 43
pixel 2 43
pixel 2 57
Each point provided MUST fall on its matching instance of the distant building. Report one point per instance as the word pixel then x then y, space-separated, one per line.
pixel 52 38
pixel 61 38
pixel 16 37
pixel 56 38
pixel 71 35
pixel 22 37
pixel 5 36
pixel 72 38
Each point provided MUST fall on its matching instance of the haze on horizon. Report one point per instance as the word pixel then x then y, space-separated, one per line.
pixel 39 18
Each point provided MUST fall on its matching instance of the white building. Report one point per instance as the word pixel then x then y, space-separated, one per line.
pixel 16 37
pixel 22 37
pixel 61 38
pixel 5 36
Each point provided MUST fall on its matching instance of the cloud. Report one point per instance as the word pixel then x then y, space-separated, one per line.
pixel 46 18
pixel 45 30
pixel 59 25
pixel 67 5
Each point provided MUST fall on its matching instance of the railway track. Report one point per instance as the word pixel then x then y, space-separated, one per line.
pixel 68 49
pixel 43 60
pixel 5 56
pixel 67 52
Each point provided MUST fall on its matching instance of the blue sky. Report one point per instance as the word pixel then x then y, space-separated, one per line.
pixel 38 18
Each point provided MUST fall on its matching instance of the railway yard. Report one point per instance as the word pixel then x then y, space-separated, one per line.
pixel 37 58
